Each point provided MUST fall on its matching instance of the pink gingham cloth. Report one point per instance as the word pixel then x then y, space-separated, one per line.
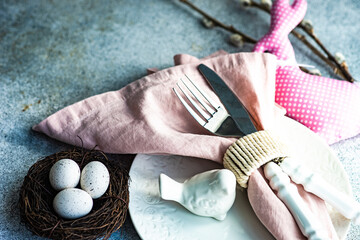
pixel 329 107
pixel 146 117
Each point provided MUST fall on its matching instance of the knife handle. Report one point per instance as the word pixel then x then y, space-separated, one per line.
pixel 315 184
pixel 289 194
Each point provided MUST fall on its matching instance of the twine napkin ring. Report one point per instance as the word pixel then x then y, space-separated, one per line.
pixel 250 152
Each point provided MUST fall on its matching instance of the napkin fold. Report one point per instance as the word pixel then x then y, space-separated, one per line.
pixel 146 117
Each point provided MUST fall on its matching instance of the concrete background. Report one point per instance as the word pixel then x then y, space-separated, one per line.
pixel 55 53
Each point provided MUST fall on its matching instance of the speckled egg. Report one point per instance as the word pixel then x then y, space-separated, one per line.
pixel 72 203
pixel 95 179
pixel 65 173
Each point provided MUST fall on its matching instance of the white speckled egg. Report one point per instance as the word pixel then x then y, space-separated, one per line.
pixel 72 203
pixel 95 179
pixel 65 173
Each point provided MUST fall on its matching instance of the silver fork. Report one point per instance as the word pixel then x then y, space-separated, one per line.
pixel 214 117
pixel 211 115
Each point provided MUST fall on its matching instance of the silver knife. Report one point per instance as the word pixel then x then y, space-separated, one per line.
pixel 279 181
pixel 229 100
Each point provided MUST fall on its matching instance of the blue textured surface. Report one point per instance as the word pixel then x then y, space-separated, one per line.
pixel 55 53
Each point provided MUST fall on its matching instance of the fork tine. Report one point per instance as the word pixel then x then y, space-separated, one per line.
pixel 213 103
pixel 189 109
pixel 198 98
pixel 206 115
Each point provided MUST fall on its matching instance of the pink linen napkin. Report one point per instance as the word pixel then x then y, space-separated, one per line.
pixel 146 117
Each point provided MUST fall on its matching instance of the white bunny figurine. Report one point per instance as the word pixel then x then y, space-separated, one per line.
pixel 208 194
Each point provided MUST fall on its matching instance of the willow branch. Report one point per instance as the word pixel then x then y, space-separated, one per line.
pixel 216 22
pixel 328 59
pixel 344 71
pixel 303 39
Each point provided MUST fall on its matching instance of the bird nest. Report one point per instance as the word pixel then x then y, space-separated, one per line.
pixel 107 215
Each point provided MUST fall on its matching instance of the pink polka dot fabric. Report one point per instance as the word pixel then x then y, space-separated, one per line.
pixel 327 106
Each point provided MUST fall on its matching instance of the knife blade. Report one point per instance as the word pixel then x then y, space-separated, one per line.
pixel 232 104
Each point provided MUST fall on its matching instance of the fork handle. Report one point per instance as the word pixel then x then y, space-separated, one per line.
pixel 289 194
pixel 315 184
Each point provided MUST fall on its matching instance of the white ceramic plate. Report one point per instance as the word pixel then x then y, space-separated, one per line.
pixel 155 218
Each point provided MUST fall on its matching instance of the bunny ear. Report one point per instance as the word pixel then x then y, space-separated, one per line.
pixel 285 17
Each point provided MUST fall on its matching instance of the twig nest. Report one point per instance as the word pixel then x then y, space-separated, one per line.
pixel 237 40
pixel 107 214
